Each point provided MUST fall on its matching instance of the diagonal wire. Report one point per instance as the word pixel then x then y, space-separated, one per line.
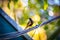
pixel 17 34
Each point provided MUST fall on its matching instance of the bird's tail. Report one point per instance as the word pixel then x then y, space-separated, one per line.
pixel 26 27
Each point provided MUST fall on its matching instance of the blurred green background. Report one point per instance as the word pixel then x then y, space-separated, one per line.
pixel 38 10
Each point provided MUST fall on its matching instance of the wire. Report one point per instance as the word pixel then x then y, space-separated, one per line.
pixel 17 34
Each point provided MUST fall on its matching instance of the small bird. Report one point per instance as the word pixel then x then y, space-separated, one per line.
pixel 30 23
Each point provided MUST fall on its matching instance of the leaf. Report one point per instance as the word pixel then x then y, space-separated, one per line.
pixel 15 1
pixel 9 0
pixel 46 27
pixel 8 5
pixel 56 8
pixel 58 23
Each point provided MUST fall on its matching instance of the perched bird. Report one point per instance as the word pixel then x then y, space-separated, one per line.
pixel 30 23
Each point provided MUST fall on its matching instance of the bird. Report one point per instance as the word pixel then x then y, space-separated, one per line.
pixel 30 23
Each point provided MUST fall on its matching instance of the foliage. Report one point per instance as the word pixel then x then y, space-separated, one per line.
pixel 34 7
